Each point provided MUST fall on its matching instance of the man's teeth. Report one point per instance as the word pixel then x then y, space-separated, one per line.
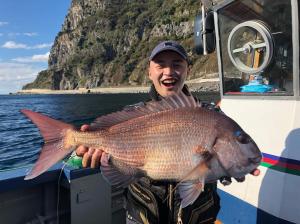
pixel 168 81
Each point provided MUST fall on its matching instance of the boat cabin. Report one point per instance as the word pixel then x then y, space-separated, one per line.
pixel 257 44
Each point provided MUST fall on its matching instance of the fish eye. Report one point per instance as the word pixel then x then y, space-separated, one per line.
pixel 242 137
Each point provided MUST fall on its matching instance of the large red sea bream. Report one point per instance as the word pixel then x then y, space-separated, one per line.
pixel 172 139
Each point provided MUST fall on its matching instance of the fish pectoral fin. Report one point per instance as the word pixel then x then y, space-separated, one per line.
pixel 199 149
pixel 201 156
pixel 207 147
pixel 189 192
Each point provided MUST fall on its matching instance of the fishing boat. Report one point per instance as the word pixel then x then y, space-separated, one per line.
pixel 257 44
pixel 67 195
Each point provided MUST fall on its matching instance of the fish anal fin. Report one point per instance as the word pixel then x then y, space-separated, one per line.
pixel 115 177
pixel 116 172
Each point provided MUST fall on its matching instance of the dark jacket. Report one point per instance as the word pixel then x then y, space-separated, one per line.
pixel 150 201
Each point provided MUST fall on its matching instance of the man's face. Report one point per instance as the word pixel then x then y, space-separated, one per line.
pixel 168 71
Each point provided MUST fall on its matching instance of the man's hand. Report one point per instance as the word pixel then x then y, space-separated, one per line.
pixel 227 180
pixel 255 173
pixel 90 157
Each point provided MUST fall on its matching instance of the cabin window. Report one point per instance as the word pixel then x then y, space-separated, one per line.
pixel 256 47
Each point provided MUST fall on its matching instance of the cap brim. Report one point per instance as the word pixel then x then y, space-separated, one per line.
pixel 168 49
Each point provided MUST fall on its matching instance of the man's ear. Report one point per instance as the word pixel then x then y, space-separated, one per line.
pixel 189 67
pixel 149 73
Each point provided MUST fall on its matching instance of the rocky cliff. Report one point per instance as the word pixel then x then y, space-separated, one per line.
pixel 107 42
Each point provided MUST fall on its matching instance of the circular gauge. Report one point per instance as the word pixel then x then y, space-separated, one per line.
pixel 250 46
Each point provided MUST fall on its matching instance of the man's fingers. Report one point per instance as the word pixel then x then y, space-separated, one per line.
pixel 225 180
pixel 81 150
pixel 86 159
pixel 240 179
pixel 85 127
pixel 95 162
pixel 255 172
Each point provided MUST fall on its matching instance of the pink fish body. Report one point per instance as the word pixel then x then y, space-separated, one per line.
pixel 173 139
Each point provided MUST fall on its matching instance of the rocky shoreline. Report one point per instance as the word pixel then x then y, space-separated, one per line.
pixel 196 85
pixel 127 89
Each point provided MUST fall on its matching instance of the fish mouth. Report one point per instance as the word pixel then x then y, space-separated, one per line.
pixel 239 171
pixel 255 160
pixel 169 82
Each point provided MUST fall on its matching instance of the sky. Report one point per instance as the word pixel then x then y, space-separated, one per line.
pixel 27 32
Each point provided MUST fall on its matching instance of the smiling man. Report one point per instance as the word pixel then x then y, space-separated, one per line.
pixel 168 68
pixel 146 199
pixel 150 201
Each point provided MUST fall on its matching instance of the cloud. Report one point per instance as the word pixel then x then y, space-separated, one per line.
pixel 30 34
pixel 34 58
pixel 3 23
pixel 17 71
pixel 13 34
pixel 14 75
pixel 14 45
pixel 40 46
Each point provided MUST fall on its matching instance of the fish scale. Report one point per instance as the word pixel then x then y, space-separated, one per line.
pixel 153 142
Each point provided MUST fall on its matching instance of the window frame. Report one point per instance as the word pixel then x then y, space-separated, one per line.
pixel 295 41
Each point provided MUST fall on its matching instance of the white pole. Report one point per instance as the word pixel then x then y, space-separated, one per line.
pixel 203 30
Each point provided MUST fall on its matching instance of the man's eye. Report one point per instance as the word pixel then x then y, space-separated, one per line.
pixel 177 65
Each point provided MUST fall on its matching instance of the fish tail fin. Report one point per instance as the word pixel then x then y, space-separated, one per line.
pixel 54 149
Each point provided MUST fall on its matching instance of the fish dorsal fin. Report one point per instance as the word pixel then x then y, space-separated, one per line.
pixel 138 110
pixel 112 119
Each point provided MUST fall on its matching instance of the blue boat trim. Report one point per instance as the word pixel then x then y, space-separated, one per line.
pixel 14 179
pixel 281 159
